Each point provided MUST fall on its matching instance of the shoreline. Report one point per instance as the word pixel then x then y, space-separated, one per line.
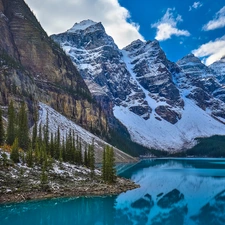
pixel 86 189
pixel 19 183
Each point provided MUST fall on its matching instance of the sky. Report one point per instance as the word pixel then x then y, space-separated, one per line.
pixel 181 27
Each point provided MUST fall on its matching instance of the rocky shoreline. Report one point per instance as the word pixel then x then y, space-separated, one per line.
pixel 18 182
pixel 81 189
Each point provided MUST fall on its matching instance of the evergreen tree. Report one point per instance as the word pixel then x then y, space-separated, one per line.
pixel 44 175
pixel 40 135
pixel 108 164
pixel 104 164
pixel 80 158
pixel 49 162
pixel 60 155
pixel 14 156
pixel 29 157
pixel 74 149
pixel 11 129
pixel 70 151
pixel 2 133
pixel 43 154
pixel 37 154
pixel 91 158
pixel 23 130
pixel 111 166
pixel 46 133
pixel 57 145
pixel 78 151
pixel 86 156
pixel 52 146
pixel 63 150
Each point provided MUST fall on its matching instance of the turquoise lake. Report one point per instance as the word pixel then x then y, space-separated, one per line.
pixel 172 192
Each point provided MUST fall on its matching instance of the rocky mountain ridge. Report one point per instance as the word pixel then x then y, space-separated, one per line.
pixel 219 68
pixel 164 105
pixel 100 63
pixel 33 68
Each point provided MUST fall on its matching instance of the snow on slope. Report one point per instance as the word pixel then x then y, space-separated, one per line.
pixel 151 102
pixel 57 120
pixel 142 83
pixel 163 135
pixel 219 68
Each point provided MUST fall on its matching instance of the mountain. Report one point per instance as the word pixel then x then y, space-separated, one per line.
pixel 100 63
pixel 163 105
pixel 219 68
pixel 56 120
pixel 202 84
pixel 35 69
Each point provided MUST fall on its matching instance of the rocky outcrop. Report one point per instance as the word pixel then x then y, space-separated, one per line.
pixel 154 73
pixel 203 85
pixel 35 68
pixel 219 68
pixel 168 114
pixel 152 70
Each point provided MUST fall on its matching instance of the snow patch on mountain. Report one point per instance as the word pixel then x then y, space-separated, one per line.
pixel 163 135
pixel 65 126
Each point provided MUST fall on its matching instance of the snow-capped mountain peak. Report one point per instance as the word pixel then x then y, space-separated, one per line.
pixel 219 68
pixel 134 45
pixel 83 25
pixel 192 65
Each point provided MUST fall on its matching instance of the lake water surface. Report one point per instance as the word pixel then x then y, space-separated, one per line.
pixel 172 192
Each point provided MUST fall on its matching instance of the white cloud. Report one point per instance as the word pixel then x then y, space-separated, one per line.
pixel 167 26
pixel 57 16
pixel 217 22
pixel 195 5
pixel 211 51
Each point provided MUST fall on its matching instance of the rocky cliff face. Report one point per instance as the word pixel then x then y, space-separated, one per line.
pixel 219 68
pixel 34 68
pixel 164 105
pixel 202 85
pixel 126 77
pixel 153 72
pixel 100 63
